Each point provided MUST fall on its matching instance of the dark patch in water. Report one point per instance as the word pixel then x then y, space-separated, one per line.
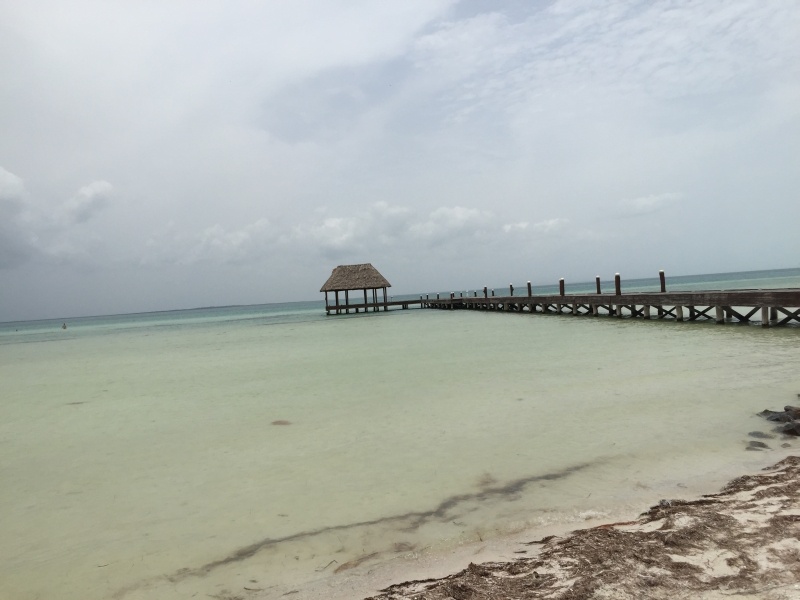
pixel 281 422
pixel 352 564
pixel 403 546
pixel 413 520
pixel 486 480
pixel 75 403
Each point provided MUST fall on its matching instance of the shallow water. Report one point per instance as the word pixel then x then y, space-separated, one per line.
pixel 140 459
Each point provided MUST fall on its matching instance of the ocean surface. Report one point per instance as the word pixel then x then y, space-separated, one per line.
pixel 251 451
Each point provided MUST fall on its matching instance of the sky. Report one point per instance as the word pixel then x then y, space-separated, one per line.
pixel 167 155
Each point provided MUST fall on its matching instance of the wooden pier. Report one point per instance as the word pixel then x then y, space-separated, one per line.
pixel 771 307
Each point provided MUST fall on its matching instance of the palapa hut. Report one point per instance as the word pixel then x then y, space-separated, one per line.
pixel 345 278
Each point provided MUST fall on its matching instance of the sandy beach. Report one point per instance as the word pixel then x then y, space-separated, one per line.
pixel 742 542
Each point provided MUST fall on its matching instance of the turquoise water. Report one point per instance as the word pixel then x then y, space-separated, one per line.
pixel 214 452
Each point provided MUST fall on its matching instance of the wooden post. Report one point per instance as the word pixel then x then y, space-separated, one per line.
pixel 773 313
pixel 720 314
pixel 476 293
pixel 574 308
pixel 646 310
pixel 385 308
pixel 365 301
pixel 529 289
pixel 617 284
pixel 347 302
pixel 510 289
pixel 561 287
pixel 437 296
pixel 663 281
pixel 765 316
pixel 594 308
pixel 485 292
pixel 493 293
pixel 327 312
pixel 337 302
pixel 678 312
pixel 597 282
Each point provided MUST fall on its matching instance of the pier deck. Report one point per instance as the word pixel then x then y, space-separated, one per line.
pixel 769 306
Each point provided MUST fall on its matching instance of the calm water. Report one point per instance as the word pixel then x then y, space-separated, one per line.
pixel 139 455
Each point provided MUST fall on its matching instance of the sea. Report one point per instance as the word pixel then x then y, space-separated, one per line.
pixel 264 451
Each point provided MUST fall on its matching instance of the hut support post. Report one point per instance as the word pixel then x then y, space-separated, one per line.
pixel 385 299
pixel 337 302
pixel 347 302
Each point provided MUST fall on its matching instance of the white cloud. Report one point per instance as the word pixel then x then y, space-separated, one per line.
pixel 550 225
pixel 448 222
pixel 15 243
pixel 250 244
pixel 646 205
pixel 12 189
pixel 521 226
pixel 89 200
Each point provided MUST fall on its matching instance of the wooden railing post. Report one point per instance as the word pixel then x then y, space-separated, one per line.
pixel 510 289
pixel 485 292
pixel 617 284
pixel 529 289
pixel 597 283
pixel 663 281
pixel 561 287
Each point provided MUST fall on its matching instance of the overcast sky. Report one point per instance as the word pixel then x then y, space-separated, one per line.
pixel 162 155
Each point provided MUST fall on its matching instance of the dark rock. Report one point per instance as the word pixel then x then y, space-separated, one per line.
pixel 791 428
pixel 757 445
pixel 794 411
pixel 761 435
pixel 776 416
pixel 786 445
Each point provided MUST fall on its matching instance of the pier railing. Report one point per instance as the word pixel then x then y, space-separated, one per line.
pixel 769 306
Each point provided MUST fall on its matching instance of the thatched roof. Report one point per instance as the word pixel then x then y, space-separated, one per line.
pixel 355 277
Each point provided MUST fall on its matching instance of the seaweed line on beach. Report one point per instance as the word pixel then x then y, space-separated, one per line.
pixel 413 520
pixel 743 540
